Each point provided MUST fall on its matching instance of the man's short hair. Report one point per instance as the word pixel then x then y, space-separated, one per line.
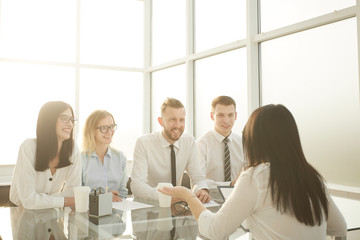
pixel 171 102
pixel 223 100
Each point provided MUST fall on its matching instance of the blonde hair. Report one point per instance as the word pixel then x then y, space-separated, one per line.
pixel 171 102
pixel 91 124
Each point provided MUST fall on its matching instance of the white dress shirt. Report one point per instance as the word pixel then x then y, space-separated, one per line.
pixel 39 190
pixel 152 164
pixel 111 173
pixel 211 154
pixel 250 204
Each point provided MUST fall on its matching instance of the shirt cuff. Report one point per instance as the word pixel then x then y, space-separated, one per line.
pixel 59 202
pixel 200 185
pixel 204 222
pixel 223 183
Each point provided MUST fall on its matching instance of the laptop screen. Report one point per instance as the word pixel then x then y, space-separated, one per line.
pixel 225 191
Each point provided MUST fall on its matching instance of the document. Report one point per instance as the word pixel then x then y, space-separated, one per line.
pixel 212 203
pixel 127 205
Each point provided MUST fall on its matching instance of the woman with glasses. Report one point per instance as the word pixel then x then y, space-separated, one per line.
pixel 103 167
pixel 48 167
pixel 279 195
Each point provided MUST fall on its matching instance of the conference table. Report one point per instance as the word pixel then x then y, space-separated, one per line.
pixel 141 219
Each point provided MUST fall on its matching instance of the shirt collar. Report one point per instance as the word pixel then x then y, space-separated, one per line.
pixel 165 143
pixel 220 137
pixel 108 153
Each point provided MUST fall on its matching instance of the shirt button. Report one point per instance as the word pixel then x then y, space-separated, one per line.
pixel 50 179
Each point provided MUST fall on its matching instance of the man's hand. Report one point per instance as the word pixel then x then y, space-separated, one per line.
pixel 115 196
pixel 203 195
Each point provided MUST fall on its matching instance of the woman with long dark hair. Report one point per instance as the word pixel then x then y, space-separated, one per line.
pixel 279 195
pixel 48 167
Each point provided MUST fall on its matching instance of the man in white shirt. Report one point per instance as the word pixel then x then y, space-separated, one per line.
pixel 211 146
pixel 152 156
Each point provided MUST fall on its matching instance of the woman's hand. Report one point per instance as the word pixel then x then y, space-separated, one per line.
pixel 69 202
pixel 185 194
pixel 178 192
pixel 115 196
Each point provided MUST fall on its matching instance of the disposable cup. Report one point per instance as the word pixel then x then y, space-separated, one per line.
pixel 164 200
pixel 81 195
pixel 164 220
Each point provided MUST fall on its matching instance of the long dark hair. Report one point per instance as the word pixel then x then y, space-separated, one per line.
pixel 46 138
pixel 271 135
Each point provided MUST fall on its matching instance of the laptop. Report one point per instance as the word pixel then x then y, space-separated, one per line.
pixel 225 191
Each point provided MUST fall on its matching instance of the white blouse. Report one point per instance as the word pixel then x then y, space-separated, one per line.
pixel 250 204
pixel 40 190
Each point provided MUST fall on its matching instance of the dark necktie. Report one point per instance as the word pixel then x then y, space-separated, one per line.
pixel 227 165
pixel 173 166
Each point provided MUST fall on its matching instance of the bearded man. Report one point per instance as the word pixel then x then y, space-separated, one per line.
pixel 164 156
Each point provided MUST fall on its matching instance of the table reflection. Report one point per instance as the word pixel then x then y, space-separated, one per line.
pixel 36 224
pixel 58 224
pixel 160 223
pixel 83 226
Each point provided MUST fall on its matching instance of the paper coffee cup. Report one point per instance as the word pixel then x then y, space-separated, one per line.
pixel 81 195
pixel 164 200
pixel 164 220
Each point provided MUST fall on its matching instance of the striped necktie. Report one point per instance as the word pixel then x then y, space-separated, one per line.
pixel 227 165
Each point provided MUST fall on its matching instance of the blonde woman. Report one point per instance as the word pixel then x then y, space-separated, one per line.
pixel 103 166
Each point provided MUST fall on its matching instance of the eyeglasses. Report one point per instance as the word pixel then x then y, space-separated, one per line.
pixel 181 207
pixel 105 129
pixel 67 119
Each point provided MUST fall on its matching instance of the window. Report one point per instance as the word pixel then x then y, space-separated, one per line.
pixel 168 36
pixel 119 93
pixel 303 54
pixel 220 79
pixel 315 75
pixel 24 89
pixel 211 17
pixel 112 33
pixel 42 57
pixel 38 30
pixel 280 13
pixel 170 82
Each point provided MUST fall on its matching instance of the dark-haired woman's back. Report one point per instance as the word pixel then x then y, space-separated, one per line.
pixel 251 200
pixel 279 195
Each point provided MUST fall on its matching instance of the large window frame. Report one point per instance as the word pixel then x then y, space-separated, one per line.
pixel 252 43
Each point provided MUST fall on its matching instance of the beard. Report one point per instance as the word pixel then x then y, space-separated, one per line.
pixel 173 136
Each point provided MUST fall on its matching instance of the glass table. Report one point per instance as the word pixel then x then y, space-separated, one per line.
pixel 65 223
pixel 151 222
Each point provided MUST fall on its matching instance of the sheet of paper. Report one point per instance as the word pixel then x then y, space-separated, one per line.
pixel 212 203
pixel 127 205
